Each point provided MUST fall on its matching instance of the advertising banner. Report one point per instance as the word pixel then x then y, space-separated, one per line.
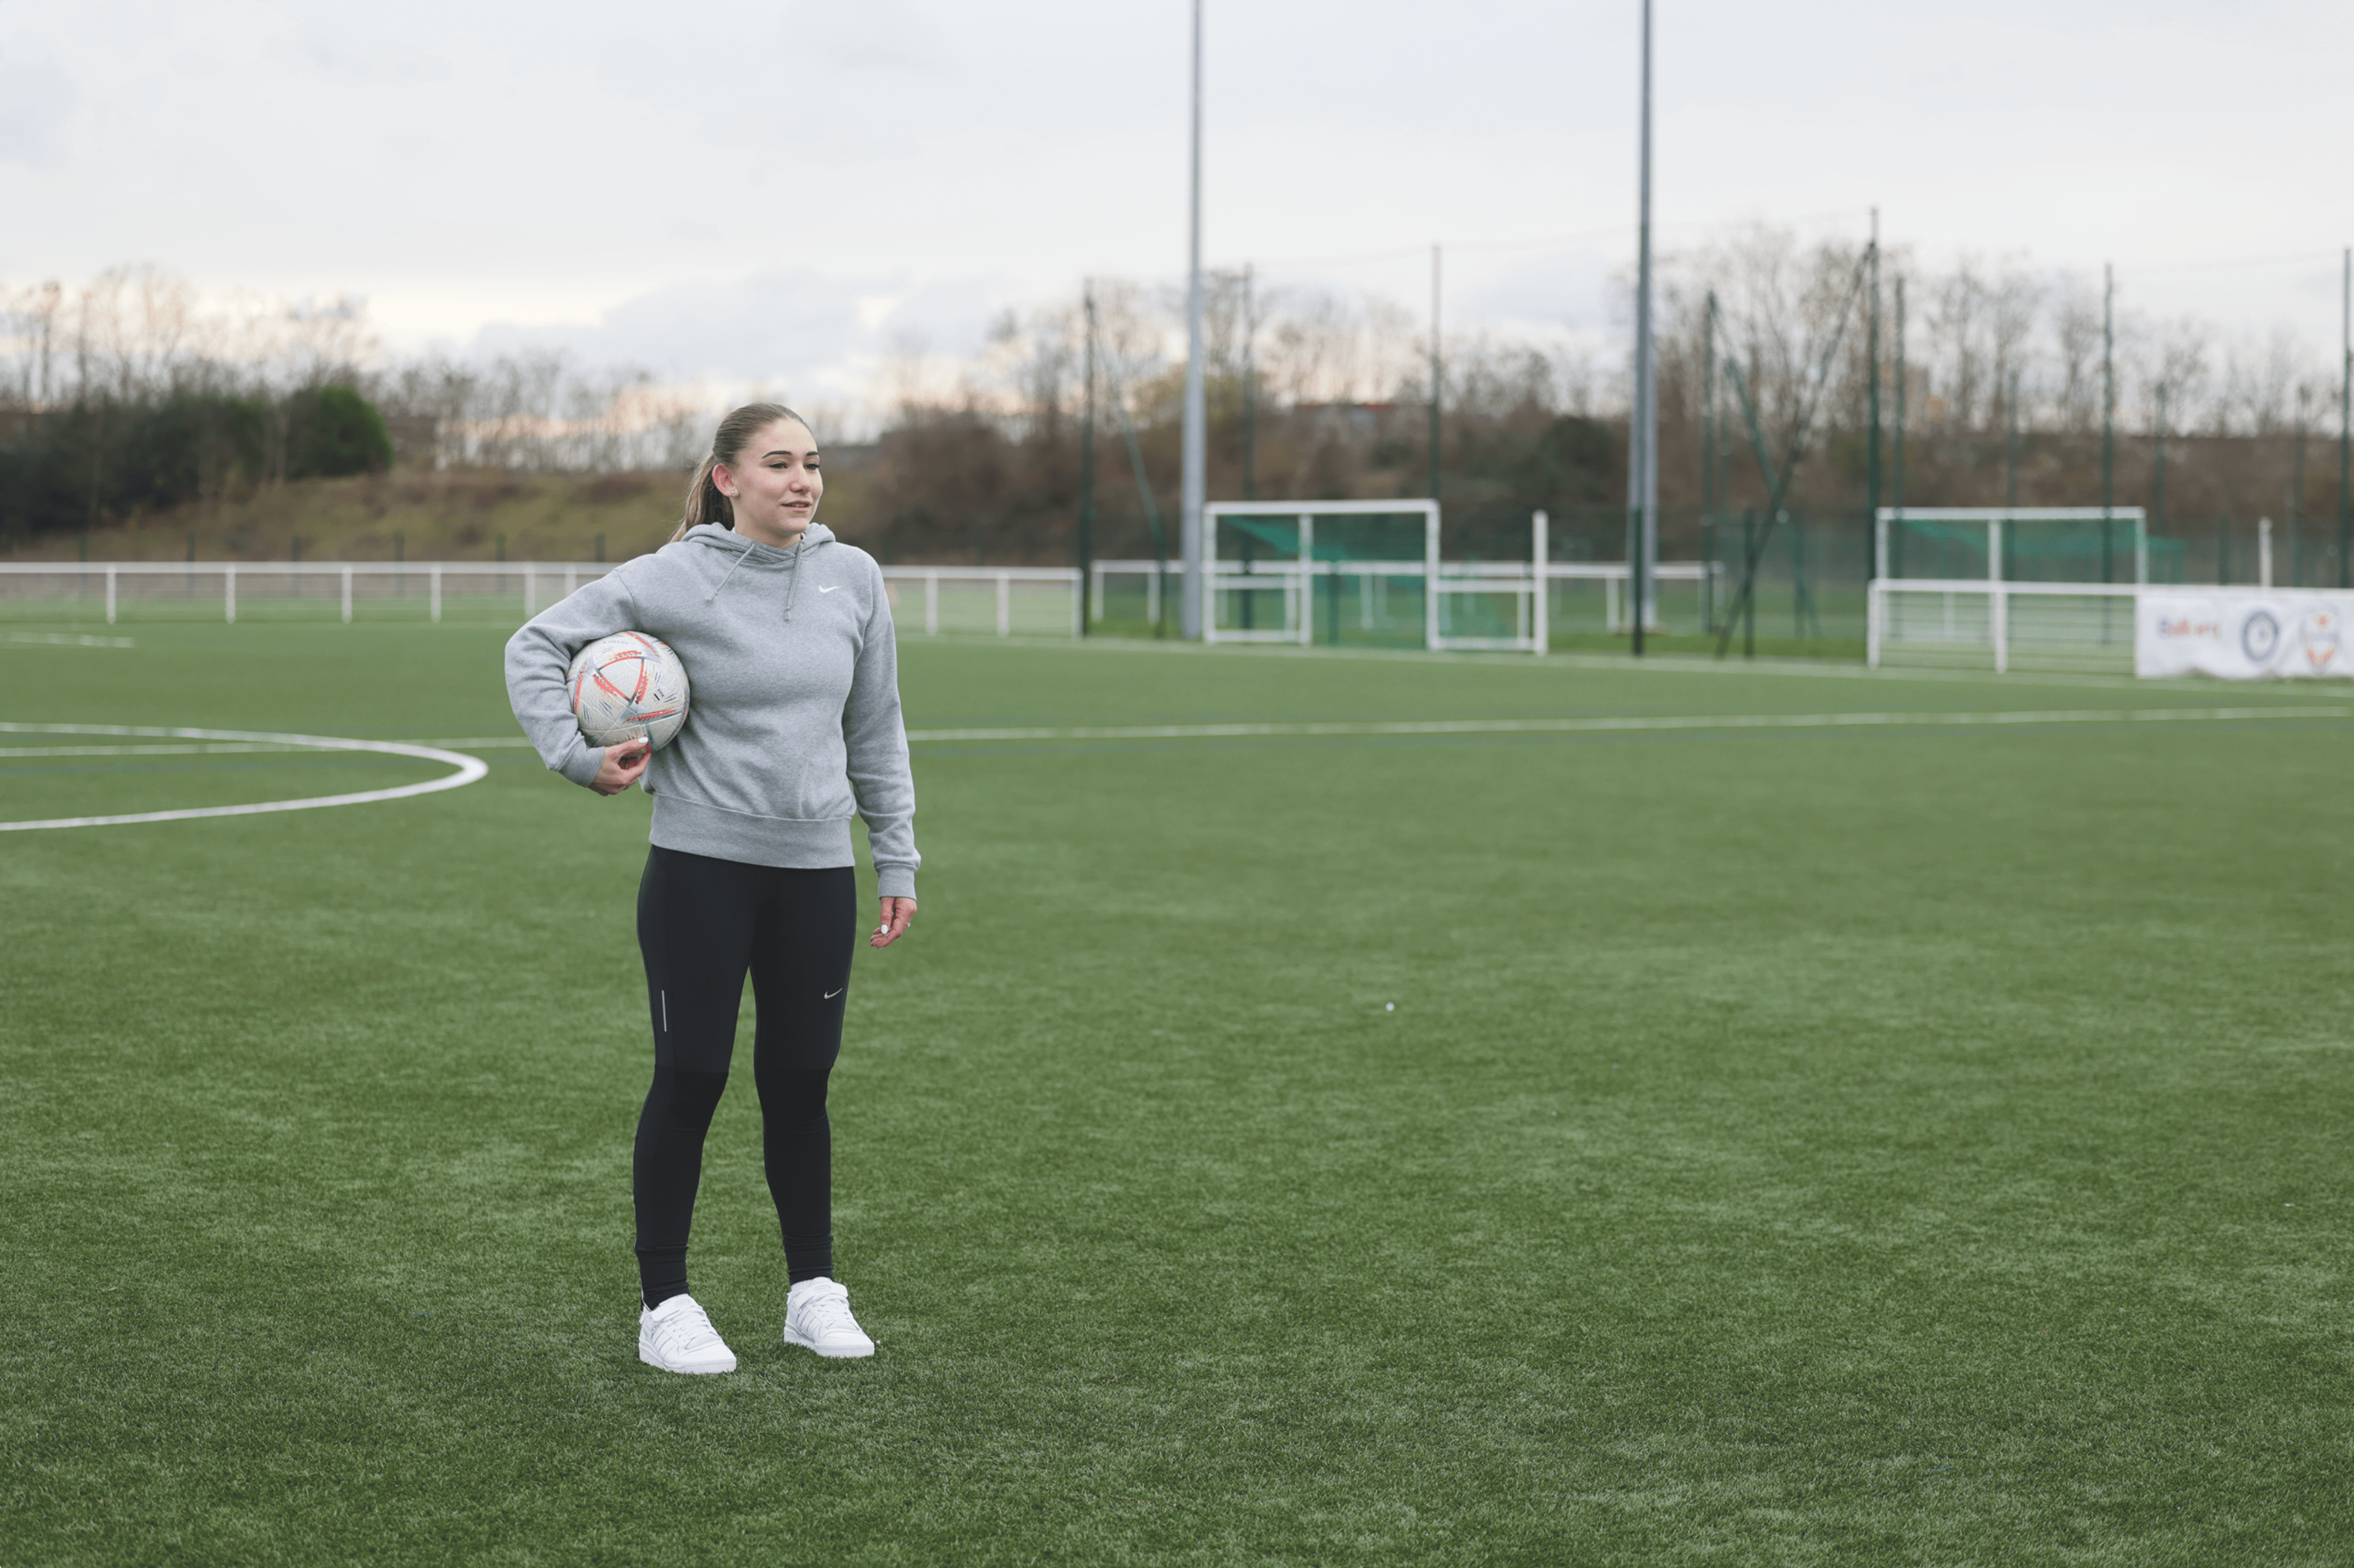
pixel 2244 634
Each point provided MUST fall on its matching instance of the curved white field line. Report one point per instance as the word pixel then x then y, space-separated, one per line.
pixel 469 768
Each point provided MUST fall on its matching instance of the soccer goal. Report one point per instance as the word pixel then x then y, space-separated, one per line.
pixel 2050 588
pixel 1364 574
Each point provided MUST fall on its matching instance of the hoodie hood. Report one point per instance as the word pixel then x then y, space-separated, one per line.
pixel 711 535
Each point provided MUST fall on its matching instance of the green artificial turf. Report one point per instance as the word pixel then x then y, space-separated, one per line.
pixel 1871 1143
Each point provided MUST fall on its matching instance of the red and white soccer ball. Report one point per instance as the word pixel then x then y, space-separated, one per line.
pixel 626 687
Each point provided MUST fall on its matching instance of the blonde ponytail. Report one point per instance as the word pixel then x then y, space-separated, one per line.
pixel 706 502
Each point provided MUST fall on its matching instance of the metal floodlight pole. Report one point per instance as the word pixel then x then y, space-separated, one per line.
pixel 1708 499
pixel 2158 468
pixel 2108 409
pixel 1437 386
pixel 1872 384
pixel 2296 492
pixel 1643 445
pixel 2345 414
pixel 1087 462
pixel 1899 453
pixel 2011 446
pixel 1250 385
pixel 2297 480
pixel 1708 493
pixel 1192 486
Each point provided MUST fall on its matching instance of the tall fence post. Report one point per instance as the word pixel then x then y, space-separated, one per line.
pixel 931 604
pixel 229 592
pixel 1308 579
pixel 1431 626
pixel 1707 577
pixel 1749 584
pixel 1004 605
pixel 1540 636
pixel 1998 601
pixel 530 589
pixel 109 596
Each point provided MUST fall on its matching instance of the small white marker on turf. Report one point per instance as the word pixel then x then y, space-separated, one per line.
pixel 1389 1007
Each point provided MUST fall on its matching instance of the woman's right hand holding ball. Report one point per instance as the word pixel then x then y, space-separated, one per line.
pixel 622 766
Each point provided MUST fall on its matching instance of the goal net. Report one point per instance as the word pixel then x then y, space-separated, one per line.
pixel 1363 574
pixel 2002 588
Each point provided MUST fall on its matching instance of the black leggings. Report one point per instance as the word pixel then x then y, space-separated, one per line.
pixel 702 925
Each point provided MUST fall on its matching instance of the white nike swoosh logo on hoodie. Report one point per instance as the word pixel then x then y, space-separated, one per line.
pixel 829 590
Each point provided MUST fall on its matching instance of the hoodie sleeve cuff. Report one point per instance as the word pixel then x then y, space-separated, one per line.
pixel 894 882
pixel 582 764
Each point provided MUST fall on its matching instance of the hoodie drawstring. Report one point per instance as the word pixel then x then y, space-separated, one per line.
pixel 801 548
pixel 731 572
pixel 795 551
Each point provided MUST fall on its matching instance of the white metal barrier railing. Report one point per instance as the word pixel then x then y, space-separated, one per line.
pixel 1708 576
pixel 1973 613
pixel 347 577
pixel 1005 588
pixel 1041 600
pixel 1006 600
pixel 1152 572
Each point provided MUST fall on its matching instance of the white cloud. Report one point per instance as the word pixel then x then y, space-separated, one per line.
pixel 863 35
pixel 469 163
pixel 37 105
pixel 791 330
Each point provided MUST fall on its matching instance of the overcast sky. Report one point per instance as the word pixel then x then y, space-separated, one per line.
pixel 784 190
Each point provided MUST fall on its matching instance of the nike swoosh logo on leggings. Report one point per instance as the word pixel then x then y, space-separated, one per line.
pixel 832 994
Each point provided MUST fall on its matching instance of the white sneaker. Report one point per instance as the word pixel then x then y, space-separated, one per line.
pixel 677 1336
pixel 817 1317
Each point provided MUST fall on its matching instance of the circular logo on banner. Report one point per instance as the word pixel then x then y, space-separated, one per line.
pixel 2321 632
pixel 2260 637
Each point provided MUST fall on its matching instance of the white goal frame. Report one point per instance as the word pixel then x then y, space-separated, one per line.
pixel 1968 604
pixel 1295 579
pixel 1998 519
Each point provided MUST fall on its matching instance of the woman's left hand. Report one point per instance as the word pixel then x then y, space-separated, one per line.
pixel 898 914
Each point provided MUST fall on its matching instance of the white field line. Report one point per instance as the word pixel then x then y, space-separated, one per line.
pixel 467 769
pixel 1635 723
pixel 205 748
pixel 65 640
pixel 1557 725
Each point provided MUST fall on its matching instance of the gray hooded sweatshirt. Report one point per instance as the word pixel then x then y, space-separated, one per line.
pixel 792 723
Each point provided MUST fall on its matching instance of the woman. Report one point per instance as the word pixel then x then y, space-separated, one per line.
pixel 794 728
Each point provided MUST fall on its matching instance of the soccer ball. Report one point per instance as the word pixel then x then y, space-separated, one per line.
pixel 626 687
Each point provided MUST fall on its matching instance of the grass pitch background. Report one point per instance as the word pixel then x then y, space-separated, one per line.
pixel 1904 1144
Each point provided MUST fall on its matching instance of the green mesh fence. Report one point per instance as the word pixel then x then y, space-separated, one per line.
pixel 2067 550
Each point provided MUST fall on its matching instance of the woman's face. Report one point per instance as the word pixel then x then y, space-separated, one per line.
pixel 774 483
